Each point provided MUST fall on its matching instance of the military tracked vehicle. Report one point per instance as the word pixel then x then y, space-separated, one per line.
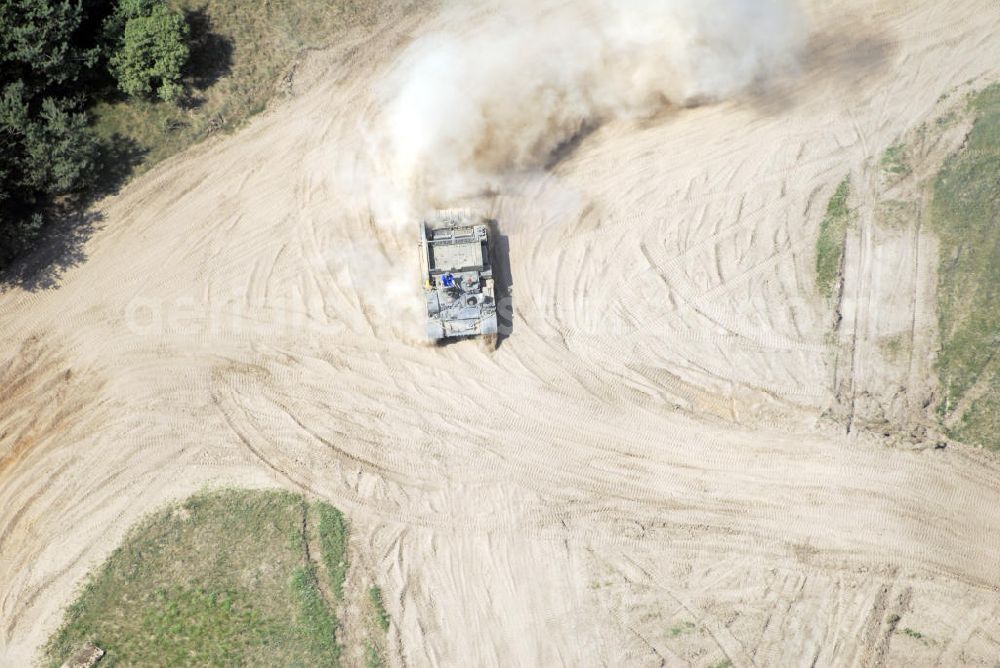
pixel 456 253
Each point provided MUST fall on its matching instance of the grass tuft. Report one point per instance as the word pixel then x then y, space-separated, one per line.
pixel 893 162
pixel 830 244
pixel 681 628
pixel 373 659
pixel 381 616
pixel 333 546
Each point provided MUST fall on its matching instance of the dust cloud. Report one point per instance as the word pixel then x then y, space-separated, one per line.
pixel 530 76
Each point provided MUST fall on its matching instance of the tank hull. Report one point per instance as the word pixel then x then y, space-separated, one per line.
pixel 456 258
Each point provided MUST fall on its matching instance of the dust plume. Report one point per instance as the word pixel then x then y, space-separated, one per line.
pixel 523 78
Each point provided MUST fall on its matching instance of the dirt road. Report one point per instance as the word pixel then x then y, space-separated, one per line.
pixel 641 473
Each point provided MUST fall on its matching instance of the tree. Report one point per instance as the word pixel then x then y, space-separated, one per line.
pixel 38 45
pixel 152 48
pixel 46 149
pixel 52 64
pixel 60 148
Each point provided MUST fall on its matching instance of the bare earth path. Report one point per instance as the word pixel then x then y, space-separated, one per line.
pixel 640 474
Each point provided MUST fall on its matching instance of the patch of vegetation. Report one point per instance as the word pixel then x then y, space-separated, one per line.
pixel 374 644
pixel 946 120
pixel 918 636
pixel 214 581
pixel 986 100
pixel 201 625
pixel 893 346
pixel 980 422
pixel 319 625
pixel 830 244
pixel 893 161
pixel 965 215
pixel 333 545
pixel 381 616
pixel 372 657
pixel 897 214
pixel 680 629
pixel 150 48
pixel 725 663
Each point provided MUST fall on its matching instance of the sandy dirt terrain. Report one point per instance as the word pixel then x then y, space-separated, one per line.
pixel 654 468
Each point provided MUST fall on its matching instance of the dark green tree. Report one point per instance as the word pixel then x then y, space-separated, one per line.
pixel 46 148
pixel 38 45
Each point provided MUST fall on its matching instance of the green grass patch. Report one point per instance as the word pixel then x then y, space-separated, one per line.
pixel 966 217
pixel 373 644
pixel 381 616
pixel 893 161
pixel 980 422
pixel 830 244
pixel 985 101
pixel 918 636
pixel 680 629
pixel 372 657
pixel 317 622
pixel 221 579
pixel 241 50
pixel 947 120
pixel 333 545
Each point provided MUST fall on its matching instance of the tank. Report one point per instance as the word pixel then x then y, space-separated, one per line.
pixel 456 252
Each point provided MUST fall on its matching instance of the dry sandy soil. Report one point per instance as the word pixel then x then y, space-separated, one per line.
pixel 653 468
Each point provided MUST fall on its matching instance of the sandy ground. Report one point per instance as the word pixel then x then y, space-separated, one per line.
pixel 652 469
